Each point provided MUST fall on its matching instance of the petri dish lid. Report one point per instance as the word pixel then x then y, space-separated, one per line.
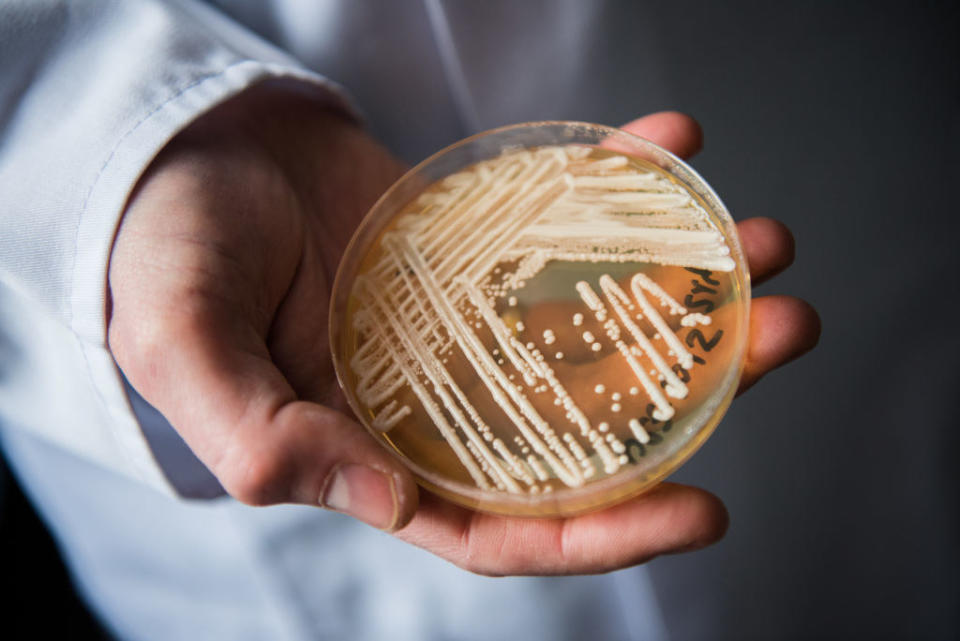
pixel 542 319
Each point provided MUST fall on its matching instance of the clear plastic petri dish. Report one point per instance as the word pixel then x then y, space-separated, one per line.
pixel 543 319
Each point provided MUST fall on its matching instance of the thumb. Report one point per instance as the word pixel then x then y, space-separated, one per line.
pixel 213 378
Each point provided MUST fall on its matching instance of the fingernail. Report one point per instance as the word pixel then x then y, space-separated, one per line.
pixel 362 492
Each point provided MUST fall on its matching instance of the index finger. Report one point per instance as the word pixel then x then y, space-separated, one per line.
pixel 676 132
pixel 670 518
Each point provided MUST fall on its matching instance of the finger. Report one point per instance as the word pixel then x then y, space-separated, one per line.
pixel 672 130
pixel 782 328
pixel 223 394
pixel 768 246
pixel 671 518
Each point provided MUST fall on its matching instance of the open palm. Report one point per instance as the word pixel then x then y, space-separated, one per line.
pixel 220 280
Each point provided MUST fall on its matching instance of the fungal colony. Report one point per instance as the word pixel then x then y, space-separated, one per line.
pixel 540 320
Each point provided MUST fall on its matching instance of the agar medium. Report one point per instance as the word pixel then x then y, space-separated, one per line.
pixel 543 319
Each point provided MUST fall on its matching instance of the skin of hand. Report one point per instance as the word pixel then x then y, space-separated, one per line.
pixel 220 280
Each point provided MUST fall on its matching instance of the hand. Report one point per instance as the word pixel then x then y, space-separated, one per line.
pixel 220 280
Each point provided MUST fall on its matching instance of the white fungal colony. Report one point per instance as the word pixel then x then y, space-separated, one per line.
pixel 445 268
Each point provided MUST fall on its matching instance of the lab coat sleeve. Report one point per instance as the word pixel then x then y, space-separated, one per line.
pixel 89 93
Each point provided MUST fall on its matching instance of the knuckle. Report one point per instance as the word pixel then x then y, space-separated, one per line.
pixel 479 567
pixel 482 548
pixel 259 478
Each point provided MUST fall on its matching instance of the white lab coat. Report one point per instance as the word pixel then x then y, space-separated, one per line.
pixel 90 92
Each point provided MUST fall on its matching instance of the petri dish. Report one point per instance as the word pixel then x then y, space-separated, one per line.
pixel 543 319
